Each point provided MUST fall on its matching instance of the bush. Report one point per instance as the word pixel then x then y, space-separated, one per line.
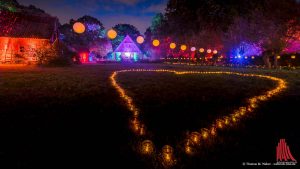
pixel 55 55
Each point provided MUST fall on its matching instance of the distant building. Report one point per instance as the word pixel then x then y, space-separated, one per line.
pixel 24 33
pixel 128 51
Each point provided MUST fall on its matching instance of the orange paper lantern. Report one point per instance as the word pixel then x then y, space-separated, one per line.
pixel 183 47
pixel 112 34
pixel 79 27
pixel 172 45
pixel 140 39
pixel 155 42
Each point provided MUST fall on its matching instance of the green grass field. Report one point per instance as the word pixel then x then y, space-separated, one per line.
pixel 54 117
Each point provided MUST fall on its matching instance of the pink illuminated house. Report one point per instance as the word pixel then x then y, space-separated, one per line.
pixel 128 51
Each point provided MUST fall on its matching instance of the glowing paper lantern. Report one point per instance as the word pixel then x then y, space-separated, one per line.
pixel 252 57
pixel 140 39
pixel 173 45
pixel 204 133
pixel 111 34
pixel 246 57
pixel 188 146
pixel 183 47
pixel 293 57
pixel 79 27
pixel 278 57
pixel 215 51
pixel 147 147
pixel 208 50
pixel 155 42
pixel 193 49
pixel 195 137
pixel 167 152
pixel 201 50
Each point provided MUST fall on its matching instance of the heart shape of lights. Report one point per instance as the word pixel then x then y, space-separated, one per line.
pixel 193 139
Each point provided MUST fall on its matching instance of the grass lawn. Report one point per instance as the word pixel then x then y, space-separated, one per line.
pixel 67 117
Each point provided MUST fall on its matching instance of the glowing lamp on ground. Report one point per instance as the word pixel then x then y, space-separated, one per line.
pixel 208 50
pixel 226 120
pixel 278 57
pixel 156 43
pixel 193 49
pixel 204 133
pixel 183 47
pixel 215 52
pixel 147 147
pixel 293 57
pixel 111 34
pixel 213 130
pixel 173 45
pixel 234 118
pixel 142 130
pixel 195 137
pixel 201 50
pixel 242 111
pixel 140 39
pixel 220 123
pixel 246 57
pixel 252 57
pixel 167 155
pixel 79 27
pixel 188 147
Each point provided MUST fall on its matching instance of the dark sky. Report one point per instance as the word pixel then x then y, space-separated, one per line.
pixel 110 12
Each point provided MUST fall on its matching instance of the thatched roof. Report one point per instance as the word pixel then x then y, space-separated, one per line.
pixel 26 24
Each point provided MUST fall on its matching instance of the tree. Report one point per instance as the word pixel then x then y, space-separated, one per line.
pixel 94 32
pixel 269 29
pixel 123 30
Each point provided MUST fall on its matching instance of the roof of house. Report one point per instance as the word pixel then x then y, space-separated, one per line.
pixel 27 25
pixel 128 45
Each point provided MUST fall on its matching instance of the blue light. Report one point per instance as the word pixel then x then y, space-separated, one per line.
pixel 118 56
pixel 135 57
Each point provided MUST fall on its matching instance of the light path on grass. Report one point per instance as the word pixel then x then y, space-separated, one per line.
pixel 192 141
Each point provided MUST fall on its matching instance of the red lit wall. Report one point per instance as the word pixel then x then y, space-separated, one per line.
pixel 10 47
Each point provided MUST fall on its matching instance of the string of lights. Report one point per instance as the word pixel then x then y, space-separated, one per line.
pixel 192 140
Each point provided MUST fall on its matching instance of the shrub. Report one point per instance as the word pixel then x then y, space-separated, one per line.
pixel 54 55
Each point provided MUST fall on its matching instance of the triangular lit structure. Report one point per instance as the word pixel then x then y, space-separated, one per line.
pixel 127 51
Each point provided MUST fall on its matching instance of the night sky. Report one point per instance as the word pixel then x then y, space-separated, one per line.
pixel 110 12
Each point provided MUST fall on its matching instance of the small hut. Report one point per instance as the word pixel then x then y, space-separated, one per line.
pixel 127 51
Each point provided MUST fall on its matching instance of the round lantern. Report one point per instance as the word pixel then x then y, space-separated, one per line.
pixel 111 34
pixel 79 27
pixel 215 51
pixel 155 42
pixel 193 49
pixel 172 45
pixel 201 50
pixel 140 39
pixel 208 50
pixel 183 47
